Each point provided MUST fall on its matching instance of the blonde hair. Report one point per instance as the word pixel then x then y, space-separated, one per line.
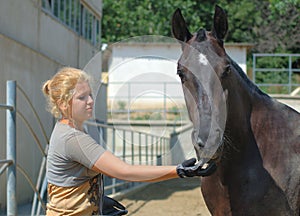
pixel 60 89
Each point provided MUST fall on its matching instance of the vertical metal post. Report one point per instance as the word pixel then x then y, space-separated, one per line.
pixel 124 145
pixel 128 100
pixel 132 147
pixel 11 147
pixel 165 101
pixel 146 142
pixel 152 144
pixel 140 148
pixel 290 74
pixel 254 69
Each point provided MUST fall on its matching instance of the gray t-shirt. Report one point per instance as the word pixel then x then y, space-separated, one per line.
pixel 71 155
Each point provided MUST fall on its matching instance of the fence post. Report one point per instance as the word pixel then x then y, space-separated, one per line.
pixel 11 147
pixel 254 68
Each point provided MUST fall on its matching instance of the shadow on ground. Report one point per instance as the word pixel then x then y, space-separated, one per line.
pixel 172 197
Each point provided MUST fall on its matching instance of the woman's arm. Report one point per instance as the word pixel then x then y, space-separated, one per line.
pixel 111 165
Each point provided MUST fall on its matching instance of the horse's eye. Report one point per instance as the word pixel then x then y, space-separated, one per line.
pixel 180 73
pixel 226 71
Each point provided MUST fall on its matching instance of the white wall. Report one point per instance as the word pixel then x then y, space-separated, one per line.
pixel 238 52
pixel 152 62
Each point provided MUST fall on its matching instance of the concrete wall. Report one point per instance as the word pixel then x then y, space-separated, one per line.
pixel 33 46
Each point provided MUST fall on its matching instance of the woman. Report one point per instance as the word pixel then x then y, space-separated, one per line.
pixel 75 160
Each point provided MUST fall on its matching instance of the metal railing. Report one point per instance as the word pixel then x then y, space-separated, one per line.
pixel 288 82
pixel 134 147
pixel 9 163
pixel 162 93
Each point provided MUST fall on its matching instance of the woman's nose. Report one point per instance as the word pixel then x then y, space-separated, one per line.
pixel 90 99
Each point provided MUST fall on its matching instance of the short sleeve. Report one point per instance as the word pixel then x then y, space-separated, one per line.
pixel 83 149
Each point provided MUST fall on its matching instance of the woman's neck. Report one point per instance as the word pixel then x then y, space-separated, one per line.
pixel 71 123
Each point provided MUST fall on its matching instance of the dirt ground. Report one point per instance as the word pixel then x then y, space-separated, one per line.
pixel 168 198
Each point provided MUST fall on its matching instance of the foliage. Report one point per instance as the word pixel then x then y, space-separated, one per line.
pixel 122 105
pixel 272 25
pixel 279 31
pixel 128 18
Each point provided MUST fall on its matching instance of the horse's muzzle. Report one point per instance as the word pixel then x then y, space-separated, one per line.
pixel 197 141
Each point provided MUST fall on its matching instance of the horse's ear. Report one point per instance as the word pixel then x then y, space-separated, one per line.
pixel 220 26
pixel 179 27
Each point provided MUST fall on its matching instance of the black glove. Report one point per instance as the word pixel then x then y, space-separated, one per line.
pixel 112 207
pixel 189 169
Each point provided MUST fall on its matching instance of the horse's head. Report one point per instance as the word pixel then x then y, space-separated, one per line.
pixel 202 67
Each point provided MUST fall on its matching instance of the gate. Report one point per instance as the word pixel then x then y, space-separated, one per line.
pixel 277 73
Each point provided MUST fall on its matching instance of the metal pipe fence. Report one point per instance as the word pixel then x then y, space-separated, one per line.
pixel 266 66
pixel 9 163
pixel 133 97
pixel 134 147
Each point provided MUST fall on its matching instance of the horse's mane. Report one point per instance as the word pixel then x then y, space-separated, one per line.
pixel 245 78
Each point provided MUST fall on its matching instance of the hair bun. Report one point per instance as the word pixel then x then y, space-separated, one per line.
pixel 46 87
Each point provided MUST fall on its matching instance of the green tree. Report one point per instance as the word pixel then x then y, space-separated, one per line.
pixel 128 18
pixel 272 25
pixel 279 31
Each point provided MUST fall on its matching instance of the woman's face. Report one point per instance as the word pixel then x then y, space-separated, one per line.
pixel 82 103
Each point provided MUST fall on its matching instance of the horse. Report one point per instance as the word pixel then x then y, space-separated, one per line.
pixel 258 148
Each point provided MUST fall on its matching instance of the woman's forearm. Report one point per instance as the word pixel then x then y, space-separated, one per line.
pixel 150 173
pixel 112 166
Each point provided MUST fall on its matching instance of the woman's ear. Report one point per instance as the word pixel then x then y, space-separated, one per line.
pixel 63 107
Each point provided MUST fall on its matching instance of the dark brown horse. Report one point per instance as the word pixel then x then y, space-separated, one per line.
pixel 258 157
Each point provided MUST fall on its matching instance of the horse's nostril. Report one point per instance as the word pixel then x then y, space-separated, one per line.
pixel 200 143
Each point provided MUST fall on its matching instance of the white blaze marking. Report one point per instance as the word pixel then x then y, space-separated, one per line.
pixel 202 59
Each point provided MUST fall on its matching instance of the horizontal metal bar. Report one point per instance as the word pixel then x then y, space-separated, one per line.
pixel 145 97
pixel 278 84
pixel 145 110
pixel 272 69
pixel 4 106
pixel 5 165
pixel 275 54
pixel 285 96
pixel 6 161
pixel 120 128
pixel 276 70
pixel 143 83
pixel 115 185
pixel 272 84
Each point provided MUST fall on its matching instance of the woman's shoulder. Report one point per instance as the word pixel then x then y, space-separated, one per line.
pixel 66 130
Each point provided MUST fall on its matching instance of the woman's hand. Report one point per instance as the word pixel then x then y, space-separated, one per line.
pixel 189 169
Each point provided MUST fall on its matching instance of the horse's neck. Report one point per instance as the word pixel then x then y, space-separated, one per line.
pixel 251 110
pixel 271 114
pixel 276 129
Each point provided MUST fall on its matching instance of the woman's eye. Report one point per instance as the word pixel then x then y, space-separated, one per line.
pixel 85 97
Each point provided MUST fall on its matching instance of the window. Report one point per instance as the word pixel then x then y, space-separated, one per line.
pixel 77 17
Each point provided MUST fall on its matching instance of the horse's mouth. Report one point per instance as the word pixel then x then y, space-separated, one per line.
pixel 207 151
